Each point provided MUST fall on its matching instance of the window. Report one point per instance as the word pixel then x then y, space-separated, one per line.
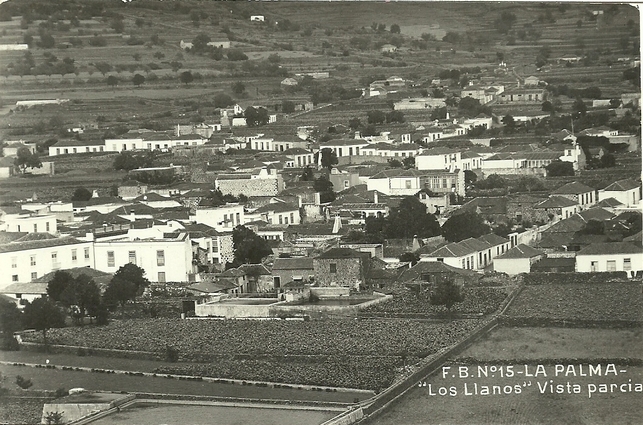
pixel 131 255
pixel 238 218
pixel 86 253
pixel 292 218
pixel 333 267
pixel 611 265
pixel 74 255
pixel 47 226
pixel 162 277
pixel 14 262
pixel 281 219
pixel 277 281
pixel 627 264
pixel 408 184
pixel 54 259
pixel 160 258
pixel 111 261
pixel 33 260
pixel 34 275
pixel 593 266
pixel 14 278
pixel 35 227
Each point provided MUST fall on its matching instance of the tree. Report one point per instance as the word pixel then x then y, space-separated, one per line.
pixel 409 257
pixel 119 291
pixel 236 55
pixel 200 43
pixel 42 315
pixel 103 67
pixel 26 159
pixel 112 81
pixel 58 283
pixel 81 194
pixel 409 162
pixel 222 100
pixel 287 106
pixel 395 29
pixel 328 158
pixel 394 163
pixel 325 189
pixel 238 87
pixel 175 65
pixel 510 124
pixel 135 274
pixel 126 161
pixel 138 79
pixel 10 322
pixel 186 77
pixel 47 41
pixel 470 177
pixel 256 116
pixel 468 224
pixel 529 183
pixel 354 123
pixel 579 107
pixel 504 23
pixel 395 116
pixel 248 246
pixel 307 175
pixel 407 220
pixel 447 293
pixel 560 168
pixel 376 117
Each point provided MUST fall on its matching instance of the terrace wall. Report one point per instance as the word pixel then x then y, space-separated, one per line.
pixel 360 159
pixel 573 278
pixel 538 172
pixel 249 187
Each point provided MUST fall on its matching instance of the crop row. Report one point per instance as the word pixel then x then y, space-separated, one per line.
pixel 372 373
pixel 198 339
pixel 609 301
pixel 406 301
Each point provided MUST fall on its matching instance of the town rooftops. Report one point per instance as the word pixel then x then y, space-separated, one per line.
pixel 521 251
pixel 452 250
pixel 556 202
pixel 611 248
pixel 152 197
pixel 622 185
pixel 74 143
pixel 398 172
pixel 609 203
pixel 599 214
pixel 493 239
pixel 32 243
pixel 427 267
pixel 38 288
pixel 573 188
pixel 339 253
pixel 277 207
pixel 343 142
pixel 296 151
pixel 297 263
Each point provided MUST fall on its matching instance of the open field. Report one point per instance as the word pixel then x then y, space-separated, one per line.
pixel 532 405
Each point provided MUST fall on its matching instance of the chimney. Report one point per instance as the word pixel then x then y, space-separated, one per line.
pixel 95 194
pixel 416 243
pixel 132 215
pixel 358 134
pixel 376 197
pixel 317 198
pixel 337 224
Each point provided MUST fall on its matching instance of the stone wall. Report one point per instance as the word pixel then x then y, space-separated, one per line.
pixel 527 212
pixel 350 271
pixel 538 172
pixel 226 248
pixel 249 187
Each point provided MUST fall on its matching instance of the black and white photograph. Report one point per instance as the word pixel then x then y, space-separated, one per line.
pixel 340 212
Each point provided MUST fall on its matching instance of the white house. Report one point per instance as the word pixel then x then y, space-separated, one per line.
pixel 34 255
pixel 399 182
pixel 298 157
pixel 447 159
pixel 627 191
pixel 29 223
pixel 164 259
pixel 472 254
pixel 63 147
pixel 257 18
pixel 278 213
pixel 584 195
pixel 344 147
pixel 222 218
pixel 610 257
pixel 517 260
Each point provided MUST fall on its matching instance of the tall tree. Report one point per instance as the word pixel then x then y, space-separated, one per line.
pixel 256 116
pixel 26 159
pixel 138 79
pixel 186 77
pixel 468 224
pixel 411 219
pixel 42 315
pixel 10 322
pixel 112 81
pixel 248 246
pixel 58 283
pixel 81 194
pixel 328 158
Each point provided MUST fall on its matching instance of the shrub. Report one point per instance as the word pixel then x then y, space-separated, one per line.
pixel 23 383
pixel 171 354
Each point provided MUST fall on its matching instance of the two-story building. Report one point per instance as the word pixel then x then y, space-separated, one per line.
pixel 584 195
pixel 222 218
pixel 627 192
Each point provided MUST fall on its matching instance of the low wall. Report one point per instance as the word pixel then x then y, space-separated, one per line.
pixel 330 292
pixel 231 310
pixel 573 278
pixel 71 412
pixel 346 418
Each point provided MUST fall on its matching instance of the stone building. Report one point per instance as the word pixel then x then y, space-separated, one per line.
pixel 341 267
